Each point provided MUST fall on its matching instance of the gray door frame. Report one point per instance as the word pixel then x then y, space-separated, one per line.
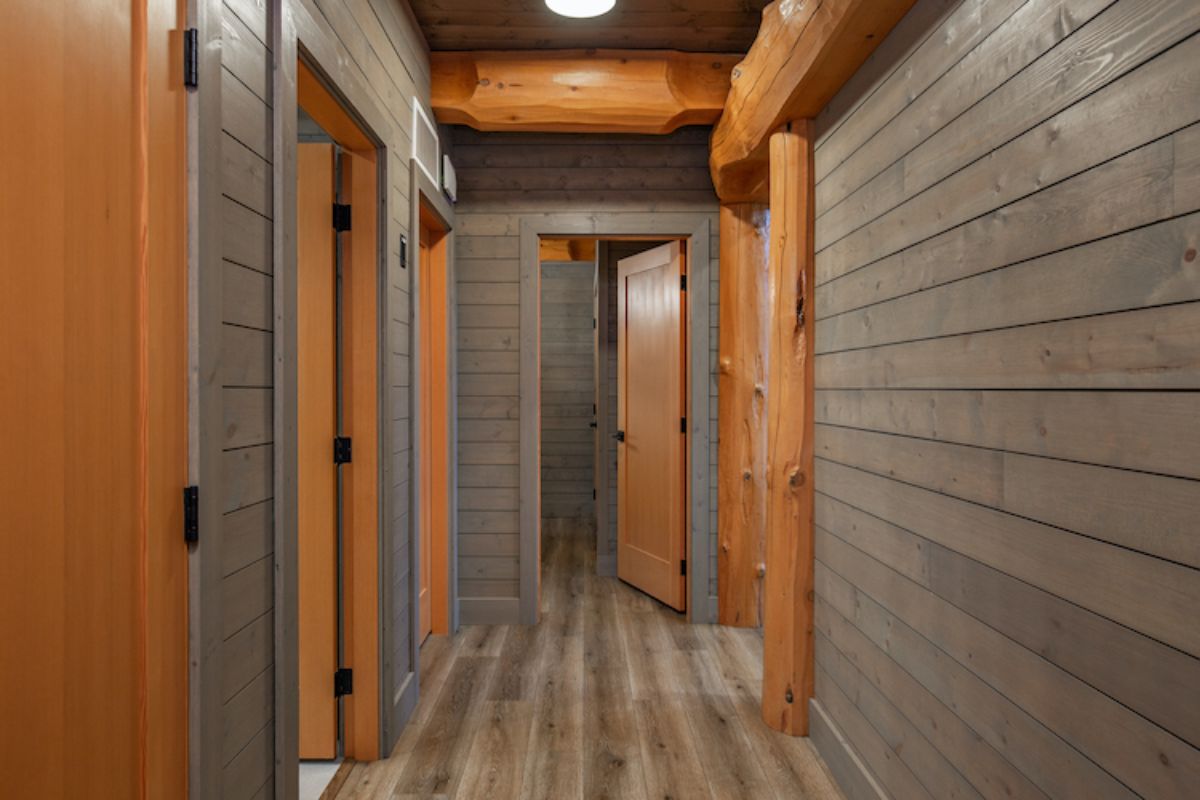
pixel 296 35
pixel 695 228
pixel 421 188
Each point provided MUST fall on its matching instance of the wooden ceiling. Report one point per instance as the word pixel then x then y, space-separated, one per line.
pixel 712 26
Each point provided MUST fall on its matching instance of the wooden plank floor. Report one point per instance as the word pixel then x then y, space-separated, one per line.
pixel 612 696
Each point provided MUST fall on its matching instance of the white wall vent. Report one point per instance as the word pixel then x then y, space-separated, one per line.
pixel 425 149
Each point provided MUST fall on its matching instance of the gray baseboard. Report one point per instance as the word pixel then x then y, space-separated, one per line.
pixel 847 769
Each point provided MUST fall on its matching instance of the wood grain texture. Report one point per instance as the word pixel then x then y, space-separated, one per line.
pixel 610 695
pixel 565 91
pixel 742 415
pixel 802 55
pixel 1005 374
pixel 787 590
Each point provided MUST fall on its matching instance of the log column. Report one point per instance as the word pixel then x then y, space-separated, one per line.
pixel 788 603
pixel 742 420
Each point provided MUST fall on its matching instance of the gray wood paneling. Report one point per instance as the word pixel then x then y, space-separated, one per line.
pixel 567 377
pixel 375 52
pixel 507 178
pixel 1008 376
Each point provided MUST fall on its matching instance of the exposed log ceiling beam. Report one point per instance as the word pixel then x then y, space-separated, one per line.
pixel 565 91
pixel 804 53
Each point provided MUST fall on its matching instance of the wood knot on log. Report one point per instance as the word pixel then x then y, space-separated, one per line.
pixel 796 478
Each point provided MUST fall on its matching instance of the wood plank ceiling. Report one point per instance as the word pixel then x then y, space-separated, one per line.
pixel 715 26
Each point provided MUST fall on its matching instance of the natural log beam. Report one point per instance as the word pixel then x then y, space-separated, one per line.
pixel 603 91
pixel 804 53
pixel 742 421
pixel 788 605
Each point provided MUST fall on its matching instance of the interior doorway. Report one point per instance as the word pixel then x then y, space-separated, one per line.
pixel 337 425
pixel 433 594
pixel 591 397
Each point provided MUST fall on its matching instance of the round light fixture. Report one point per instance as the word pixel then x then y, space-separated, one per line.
pixel 580 9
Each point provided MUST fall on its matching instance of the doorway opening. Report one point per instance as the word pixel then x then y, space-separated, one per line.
pixel 613 403
pixel 434 614
pixel 337 427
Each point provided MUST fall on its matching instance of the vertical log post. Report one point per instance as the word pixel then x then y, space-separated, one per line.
pixel 742 421
pixel 788 605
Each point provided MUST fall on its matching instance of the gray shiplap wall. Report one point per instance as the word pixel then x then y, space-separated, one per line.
pixel 503 179
pixel 1008 555
pixel 568 391
pixel 376 47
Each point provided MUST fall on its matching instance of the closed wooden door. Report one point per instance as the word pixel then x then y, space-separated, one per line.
pixel 93 401
pixel 316 428
pixel 434 545
pixel 428 501
pixel 651 496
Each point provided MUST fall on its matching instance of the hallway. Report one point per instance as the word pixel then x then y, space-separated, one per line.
pixel 612 695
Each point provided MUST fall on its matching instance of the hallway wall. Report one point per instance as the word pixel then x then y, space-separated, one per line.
pixel 504 178
pixel 1008 560
pixel 568 388
pixel 380 60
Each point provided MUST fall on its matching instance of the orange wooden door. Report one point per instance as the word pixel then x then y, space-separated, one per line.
pixel 651 495
pixel 93 401
pixel 316 428
pixel 434 607
pixel 425 595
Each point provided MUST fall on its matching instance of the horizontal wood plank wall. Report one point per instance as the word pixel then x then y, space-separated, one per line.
pixel 1008 555
pixel 504 178
pixel 374 43
pixel 568 386
pixel 247 656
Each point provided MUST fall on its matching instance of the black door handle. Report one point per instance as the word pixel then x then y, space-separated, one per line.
pixel 592 424
pixel 619 436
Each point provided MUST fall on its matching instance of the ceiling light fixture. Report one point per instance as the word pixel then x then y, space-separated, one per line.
pixel 580 9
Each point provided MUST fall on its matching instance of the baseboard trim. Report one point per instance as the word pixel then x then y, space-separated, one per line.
pixel 848 771
pixel 489 610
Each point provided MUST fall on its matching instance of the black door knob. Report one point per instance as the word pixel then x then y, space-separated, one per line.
pixel 619 436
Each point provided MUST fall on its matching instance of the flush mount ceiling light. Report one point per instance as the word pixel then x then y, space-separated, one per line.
pixel 580 9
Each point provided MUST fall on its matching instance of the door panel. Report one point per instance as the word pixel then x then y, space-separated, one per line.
pixel 93 344
pixel 424 605
pixel 651 468
pixel 316 429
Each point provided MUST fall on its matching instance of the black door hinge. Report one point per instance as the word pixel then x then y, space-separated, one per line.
pixel 342 450
pixel 191 514
pixel 593 494
pixel 683 282
pixel 191 58
pixel 343 682
pixel 683 567
pixel 593 323
pixel 683 424
pixel 341 217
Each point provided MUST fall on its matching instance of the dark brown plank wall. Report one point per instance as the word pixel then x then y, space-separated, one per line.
pixel 376 43
pixel 1008 339
pixel 504 178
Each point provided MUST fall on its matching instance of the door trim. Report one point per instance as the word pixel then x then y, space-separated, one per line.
pixel 695 229
pixel 423 191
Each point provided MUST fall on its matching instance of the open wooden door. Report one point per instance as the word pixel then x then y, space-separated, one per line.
pixel 316 428
pixel 651 429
